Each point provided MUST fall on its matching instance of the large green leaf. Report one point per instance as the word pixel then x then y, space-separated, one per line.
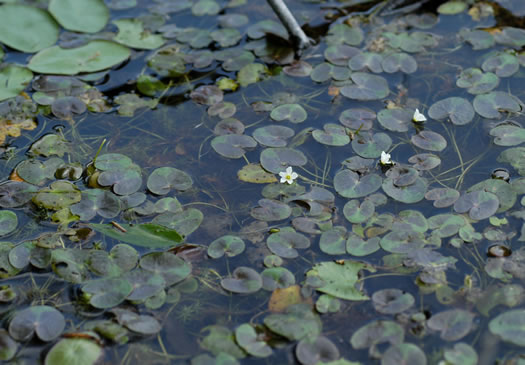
pixel 13 79
pixel 87 16
pixel 145 235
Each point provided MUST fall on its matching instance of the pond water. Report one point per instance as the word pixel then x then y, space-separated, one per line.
pixel 179 187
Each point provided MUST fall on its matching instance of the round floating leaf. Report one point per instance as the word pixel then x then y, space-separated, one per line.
pixel 8 222
pixel 184 222
pixel 205 7
pixel 404 353
pixel 246 338
pixel 122 258
pixel 503 190
pixel 443 197
pixel 356 212
pixel 366 87
pixel 47 322
pixel 332 135
pixel 284 243
pixel 369 145
pixel 107 292
pixel 298 68
pixel 298 322
pixel 510 326
pixel 226 37
pixel 392 301
pixel 480 204
pixel 123 181
pixel 8 346
pixel 145 285
pixel 461 354
pixel 244 280
pixel 37 172
pixel 234 59
pixel 446 225
pixel 131 33
pixel 251 73
pixel 396 120
pixel 273 135
pixel 277 278
pixel 58 195
pixel 457 109
pixel 221 341
pixel 502 64
pixel 343 33
pixel 395 62
pixel 350 184
pixel 453 324
pixel 223 110
pixel 357 118
pixel 27 28
pixel 89 16
pixel 226 245
pixel 143 324
pixel 232 145
pixel 357 246
pixel 112 161
pixel 508 135
pixel 276 160
pixel 478 38
pixel 429 140
pixel 163 179
pixel 366 60
pixel 314 351
pixel 172 268
pixel 232 20
pixel 207 95
pixel 489 105
pixel 96 201
pixel 405 241
pixel 476 81
pixel 405 194
pixel 78 351
pixel 95 56
pixel 14 194
pixel 228 126
pixel 254 173
pixel 340 54
pixel 48 145
pixel 452 7
pixel 332 241
pixel 424 161
pixel 325 71
pixel 292 112
pixel 377 332
pixel 271 210
pixel 13 79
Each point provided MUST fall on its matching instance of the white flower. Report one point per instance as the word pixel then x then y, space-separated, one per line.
pixel 419 117
pixel 288 176
pixel 385 158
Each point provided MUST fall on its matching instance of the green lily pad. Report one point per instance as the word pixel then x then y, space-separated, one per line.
pixel 377 332
pixel 96 201
pixel 107 292
pixel 446 225
pixel 480 204
pixel 68 264
pixel 453 324
pixel 333 241
pixel 246 338
pixel 477 82
pixel 510 326
pixel 458 110
pixel 340 54
pixel 163 179
pixel 8 222
pixel 74 350
pixel 452 7
pixel 234 59
pixel 478 38
pixel 284 243
pixel 8 346
pixel 95 56
pixel 143 324
pixel 461 354
pixel 37 172
pixel 358 246
pixel 44 321
pixel 243 280
pixel 273 135
pixel 332 135
pixel 145 284
pixel 168 61
pixel 184 222
pixel 508 135
pixel 49 145
pixel 14 80
pixel 424 161
pixel 370 145
pixel 343 33
pixel 350 184
pixel 392 301
pixel 366 87
pixel 172 268
pixel 405 194
pixel 357 118
pixel 226 37
pixel 429 140
pixel 402 241
pixel 122 258
pixel 207 95
pixel 122 181
pixel 356 212
pixel 490 105
pixel 251 73
pixel 58 195
pixel 233 20
pixel 442 197
pixel 396 120
pixel 395 62
pixel 296 323
pixel 277 278
pixel 221 342
pixel 232 145
pixel 228 126
pixel 131 33
pixel 366 61
pixel 317 350
pixel 205 7
pixel 276 160
pixel 502 64
pixel 144 235
pixel 88 16
pixel 226 245
pixel 292 112
pixel 271 210
pixel 14 194
pixel 338 280
pixel 325 71
pixel 223 110
pixel 35 28
pixel 406 353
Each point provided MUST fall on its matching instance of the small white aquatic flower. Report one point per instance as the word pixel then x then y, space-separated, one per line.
pixel 288 176
pixel 385 159
pixel 419 117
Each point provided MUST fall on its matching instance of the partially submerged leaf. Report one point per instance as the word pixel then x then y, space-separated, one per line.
pixel 144 235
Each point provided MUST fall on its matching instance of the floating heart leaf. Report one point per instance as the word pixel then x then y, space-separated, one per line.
pixel 358 246
pixel 16 193
pixel 366 60
pixel 226 37
pixel 332 135
pixel 357 118
pixel 370 145
pixel 39 29
pixel 58 195
pixel 317 350
pixel 44 321
pixel 163 179
pixel 273 135
pixel 377 332
pixel 476 81
pixel 502 64
pixel 232 145
pixel 271 210
pixel 122 258
pixel 207 95
pixel 13 79
pixel 278 159
pixel 457 109
pixel 93 202
pixel 333 242
pixel 489 105
pixel 429 140
pixel 131 33
pixel 296 323
pixel 325 71
pixel 405 194
pixel 453 324
pixel 405 353
pixel 184 222
pixel 88 16
pixel 37 172
pixel 246 337
pixel 292 112
pixel 143 324
pixel 8 222
pixel 425 161
pixel 144 235
pixel 443 197
pixel 351 185
pixel 392 301
pixel 461 354
pixel 172 268
pixel 366 87
pixel 221 342
pixel 277 278
pixel 396 120
pixel 510 326
pixel 395 62
pixel 226 245
pixel 284 243
pixel 107 292
pixel 244 281
pixel 79 351
pixel 480 204
pixel 254 173
pixel 508 135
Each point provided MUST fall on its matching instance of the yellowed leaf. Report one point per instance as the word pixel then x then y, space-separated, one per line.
pixel 282 298
pixel 254 173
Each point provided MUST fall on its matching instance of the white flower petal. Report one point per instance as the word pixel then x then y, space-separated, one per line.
pixel 294 175
pixel 419 117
